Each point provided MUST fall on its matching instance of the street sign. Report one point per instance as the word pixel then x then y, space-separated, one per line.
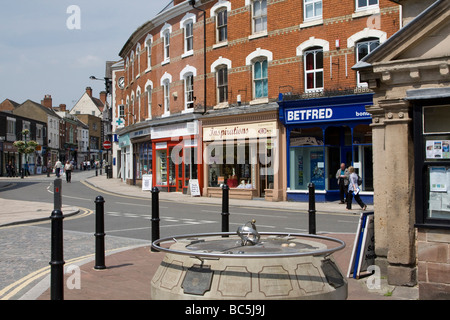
pixel 107 145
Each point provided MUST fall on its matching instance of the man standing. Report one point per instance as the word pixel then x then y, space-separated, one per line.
pixel 68 169
pixel 58 166
pixel 342 176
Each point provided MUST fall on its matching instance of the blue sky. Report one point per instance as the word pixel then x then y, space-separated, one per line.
pixel 40 55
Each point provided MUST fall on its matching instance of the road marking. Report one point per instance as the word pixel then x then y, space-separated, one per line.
pixel 247 214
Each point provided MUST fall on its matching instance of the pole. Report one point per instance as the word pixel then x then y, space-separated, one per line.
pixel 99 233
pixel 312 209
pixel 225 209
pixel 57 257
pixel 155 216
pixel 57 198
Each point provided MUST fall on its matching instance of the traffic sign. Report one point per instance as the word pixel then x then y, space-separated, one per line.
pixel 107 145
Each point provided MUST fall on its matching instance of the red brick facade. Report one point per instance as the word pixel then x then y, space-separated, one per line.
pixel 283 44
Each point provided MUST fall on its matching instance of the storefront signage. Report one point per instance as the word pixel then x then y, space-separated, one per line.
pixel 175 130
pixel 305 115
pixel 240 131
pixel 124 141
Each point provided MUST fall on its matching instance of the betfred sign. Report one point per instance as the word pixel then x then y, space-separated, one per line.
pixel 337 113
pixel 107 145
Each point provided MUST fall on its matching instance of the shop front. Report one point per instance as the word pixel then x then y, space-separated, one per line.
pixel 176 156
pixel 322 133
pixel 142 154
pixel 125 170
pixel 244 156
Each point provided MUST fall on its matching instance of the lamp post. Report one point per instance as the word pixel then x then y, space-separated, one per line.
pixel 192 3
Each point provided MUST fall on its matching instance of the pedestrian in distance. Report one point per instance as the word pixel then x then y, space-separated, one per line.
pixel 342 176
pixel 354 190
pixel 58 166
pixel 9 169
pixel 68 169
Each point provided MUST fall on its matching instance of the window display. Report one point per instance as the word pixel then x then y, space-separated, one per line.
pixel 234 168
pixel 161 165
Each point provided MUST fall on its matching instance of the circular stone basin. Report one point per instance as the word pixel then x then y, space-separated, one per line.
pixel 218 266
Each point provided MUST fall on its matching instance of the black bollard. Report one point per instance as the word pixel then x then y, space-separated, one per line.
pixel 99 233
pixel 225 209
pixel 57 257
pixel 312 208
pixel 96 172
pixel 155 216
pixel 57 197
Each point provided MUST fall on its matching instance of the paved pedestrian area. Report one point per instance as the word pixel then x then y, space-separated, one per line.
pixel 130 264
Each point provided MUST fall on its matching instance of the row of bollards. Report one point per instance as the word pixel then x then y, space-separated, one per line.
pixel 57 255
pixel 57 241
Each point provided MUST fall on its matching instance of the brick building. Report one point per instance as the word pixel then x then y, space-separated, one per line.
pixel 218 110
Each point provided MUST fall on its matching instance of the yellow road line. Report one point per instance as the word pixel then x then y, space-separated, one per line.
pixel 14 288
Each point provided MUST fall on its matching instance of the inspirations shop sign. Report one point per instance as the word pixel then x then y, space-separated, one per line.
pixel 240 131
pixel 326 114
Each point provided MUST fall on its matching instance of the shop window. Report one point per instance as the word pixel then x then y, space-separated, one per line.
pixel 259 16
pixel 432 164
pixel 307 158
pixel 233 164
pixel 161 167
pixel 313 69
pixel 363 155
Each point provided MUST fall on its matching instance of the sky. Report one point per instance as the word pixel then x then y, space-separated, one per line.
pixel 54 46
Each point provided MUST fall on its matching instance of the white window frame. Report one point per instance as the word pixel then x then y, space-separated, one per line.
pixel 219 86
pixel 312 3
pixel 225 26
pixel 215 9
pixel 138 58
pixel 314 70
pixel 184 74
pixel 138 98
pixel 148 45
pixel 121 111
pixel 259 17
pixel 188 20
pixel 165 35
pixel 260 60
pixel 369 50
pixel 166 80
pixel 367 6
pixel 149 91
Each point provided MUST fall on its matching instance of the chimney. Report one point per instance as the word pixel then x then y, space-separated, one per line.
pixel 62 107
pixel 103 97
pixel 47 102
pixel 89 91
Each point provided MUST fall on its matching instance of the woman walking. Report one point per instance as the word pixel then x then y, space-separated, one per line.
pixel 353 190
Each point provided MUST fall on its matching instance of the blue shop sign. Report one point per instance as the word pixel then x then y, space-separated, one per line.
pixel 324 114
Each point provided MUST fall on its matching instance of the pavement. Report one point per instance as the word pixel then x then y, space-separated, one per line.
pixel 129 271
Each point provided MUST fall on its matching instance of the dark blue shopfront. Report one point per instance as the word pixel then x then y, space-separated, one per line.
pixel 322 133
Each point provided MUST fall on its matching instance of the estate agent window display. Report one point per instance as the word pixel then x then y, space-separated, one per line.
pixel 432 163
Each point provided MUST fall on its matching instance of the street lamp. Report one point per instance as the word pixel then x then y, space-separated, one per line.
pixel 192 3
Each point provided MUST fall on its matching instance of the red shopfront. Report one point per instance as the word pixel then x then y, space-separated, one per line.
pixel 177 159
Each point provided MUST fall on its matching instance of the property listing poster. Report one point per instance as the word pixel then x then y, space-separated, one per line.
pixel 317 170
pixel 438 149
pixel 439 197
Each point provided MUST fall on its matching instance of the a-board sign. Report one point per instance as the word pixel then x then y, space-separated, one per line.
pixel 146 182
pixel 363 254
pixel 194 187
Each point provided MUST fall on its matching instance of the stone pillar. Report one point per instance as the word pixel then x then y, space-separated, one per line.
pixel 380 170
pixel 398 184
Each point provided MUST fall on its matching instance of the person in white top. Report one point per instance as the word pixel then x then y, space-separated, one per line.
pixel 68 168
pixel 353 190
pixel 58 166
